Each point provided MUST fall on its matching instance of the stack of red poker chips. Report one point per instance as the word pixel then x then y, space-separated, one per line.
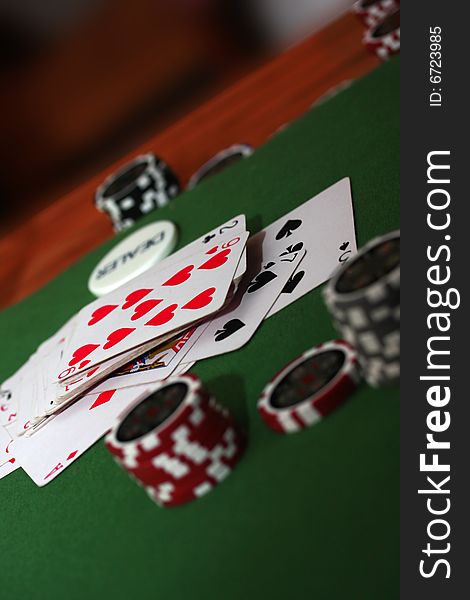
pixel 381 18
pixel 310 387
pixel 383 40
pixel 178 443
pixel 372 12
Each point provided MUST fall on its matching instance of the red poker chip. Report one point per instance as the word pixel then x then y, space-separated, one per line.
pixel 383 40
pixel 202 422
pixel 372 12
pixel 134 438
pixel 310 387
pixel 181 465
pixel 167 494
pixel 178 442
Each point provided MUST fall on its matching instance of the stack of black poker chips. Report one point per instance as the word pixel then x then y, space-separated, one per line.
pixel 363 298
pixel 141 186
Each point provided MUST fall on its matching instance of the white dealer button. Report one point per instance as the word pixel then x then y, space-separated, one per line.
pixel 134 255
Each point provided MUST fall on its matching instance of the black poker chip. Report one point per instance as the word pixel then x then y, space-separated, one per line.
pixel 219 162
pixel 363 297
pixel 139 187
pixel 369 267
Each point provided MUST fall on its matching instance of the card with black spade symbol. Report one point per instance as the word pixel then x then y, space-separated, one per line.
pixel 228 329
pixel 294 281
pixel 288 228
pixel 325 224
pixel 270 265
pixel 345 252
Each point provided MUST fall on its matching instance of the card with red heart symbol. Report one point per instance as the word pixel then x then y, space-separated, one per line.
pixel 22 385
pixel 9 401
pixel 5 441
pixel 8 468
pixel 26 397
pixel 152 365
pixel 209 240
pixel 149 367
pixel 53 448
pixel 156 303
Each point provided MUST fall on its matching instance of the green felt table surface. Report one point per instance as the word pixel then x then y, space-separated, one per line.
pixel 309 515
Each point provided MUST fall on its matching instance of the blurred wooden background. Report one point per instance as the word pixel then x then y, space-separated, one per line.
pixel 249 97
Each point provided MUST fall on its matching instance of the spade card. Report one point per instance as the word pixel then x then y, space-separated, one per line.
pixel 54 447
pixel 270 264
pixel 153 305
pixel 325 224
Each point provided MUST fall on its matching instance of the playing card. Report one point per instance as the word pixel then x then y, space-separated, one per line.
pixel 5 439
pixel 8 468
pixel 42 366
pixel 325 224
pixel 62 393
pixel 10 391
pixel 8 407
pixel 270 264
pixel 53 448
pixel 209 239
pixel 58 340
pixel 183 368
pixel 148 368
pixel 153 305
pixel 25 392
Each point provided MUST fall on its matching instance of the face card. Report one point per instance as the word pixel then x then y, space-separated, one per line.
pixel 53 448
pixel 270 264
pixel 325 223
pixel 61 394
pixel 148 369
pixel 153 305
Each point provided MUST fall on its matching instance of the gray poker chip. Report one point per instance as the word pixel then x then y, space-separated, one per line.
pixel 139 187
pixel 219 162
pixel 363 297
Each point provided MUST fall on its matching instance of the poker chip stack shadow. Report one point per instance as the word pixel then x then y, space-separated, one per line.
pixel 178 442
pixel 363 297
